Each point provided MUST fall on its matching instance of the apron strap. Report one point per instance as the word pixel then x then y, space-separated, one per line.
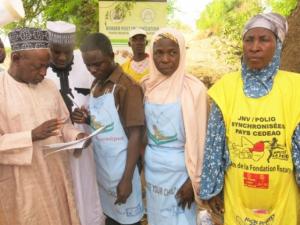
pixel 93 89
pixel 113 90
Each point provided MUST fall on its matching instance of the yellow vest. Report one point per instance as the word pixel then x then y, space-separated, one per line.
pixel 135 75
pixel 260 186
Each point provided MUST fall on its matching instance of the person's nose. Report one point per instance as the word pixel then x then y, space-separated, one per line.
pixel 255 47
pixel 62 57
pixel 92 69
pixel 165 58
pixel 43 71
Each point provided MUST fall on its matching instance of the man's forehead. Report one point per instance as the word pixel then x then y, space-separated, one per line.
pixel 62 47
pixel 34 53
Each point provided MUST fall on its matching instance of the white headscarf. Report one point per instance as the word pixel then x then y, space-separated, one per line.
pixel 271 21
pixel 168 87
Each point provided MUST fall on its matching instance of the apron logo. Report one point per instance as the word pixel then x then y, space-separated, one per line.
pixel 256 151
pixel 97 124
pixel 254 180
pixel 159 138
pixel 160 128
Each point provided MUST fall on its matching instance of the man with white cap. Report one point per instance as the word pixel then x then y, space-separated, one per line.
pixel 252 150
pixel 35 188
pixel 137 66
pixel 70 75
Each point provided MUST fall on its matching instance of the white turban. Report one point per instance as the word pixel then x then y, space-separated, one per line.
pixel 271 21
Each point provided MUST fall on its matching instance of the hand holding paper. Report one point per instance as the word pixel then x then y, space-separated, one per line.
pixel 78 144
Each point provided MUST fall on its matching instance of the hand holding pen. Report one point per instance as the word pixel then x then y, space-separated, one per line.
pixel 80 114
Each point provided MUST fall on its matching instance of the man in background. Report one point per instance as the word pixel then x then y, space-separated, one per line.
pixel 137 66
pixel 71 77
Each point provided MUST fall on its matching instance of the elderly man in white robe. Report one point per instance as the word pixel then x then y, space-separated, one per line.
pixel 72 78
pixel 35 189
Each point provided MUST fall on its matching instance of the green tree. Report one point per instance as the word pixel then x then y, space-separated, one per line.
pixel 226 19
pixel 283 7
pixel 83 13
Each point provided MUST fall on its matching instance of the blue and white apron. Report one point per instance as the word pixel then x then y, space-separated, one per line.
pixel 165 170
pixel 110 152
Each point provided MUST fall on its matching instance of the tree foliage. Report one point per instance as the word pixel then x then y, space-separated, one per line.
pixel 283 7
pixel 83 13
pixel 226 19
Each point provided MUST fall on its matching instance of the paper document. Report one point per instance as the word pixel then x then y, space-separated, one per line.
pixel 72 144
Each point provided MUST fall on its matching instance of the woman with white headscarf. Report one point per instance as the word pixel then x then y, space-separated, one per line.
pixel 252 148
pixel 176 113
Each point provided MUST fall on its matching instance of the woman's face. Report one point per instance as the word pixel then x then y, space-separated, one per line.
pixel 259 45
pixel 166 56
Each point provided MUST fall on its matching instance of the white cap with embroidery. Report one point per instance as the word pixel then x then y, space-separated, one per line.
pixel 61 32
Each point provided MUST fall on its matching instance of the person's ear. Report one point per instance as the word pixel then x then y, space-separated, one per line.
pixel 146 42
pixel 15 57
pixel 112 55
pixel 129 43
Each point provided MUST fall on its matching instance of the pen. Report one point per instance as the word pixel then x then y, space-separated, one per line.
pixel 71 98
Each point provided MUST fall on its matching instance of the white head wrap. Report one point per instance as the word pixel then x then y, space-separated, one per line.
pixel 271 21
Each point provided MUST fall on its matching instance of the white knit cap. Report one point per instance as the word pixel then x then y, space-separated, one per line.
pixel 61 32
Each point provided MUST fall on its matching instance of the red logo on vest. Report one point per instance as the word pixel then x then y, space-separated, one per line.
pixel 254 180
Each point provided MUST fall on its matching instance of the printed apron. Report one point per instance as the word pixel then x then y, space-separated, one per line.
pixel 110 152
pixel 260 186
pixel 165 169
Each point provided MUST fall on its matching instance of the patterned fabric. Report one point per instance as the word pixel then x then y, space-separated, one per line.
pixel 28 39
pixel 258 83
pixel 140 66
pixel 296 153
pixel 216 157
